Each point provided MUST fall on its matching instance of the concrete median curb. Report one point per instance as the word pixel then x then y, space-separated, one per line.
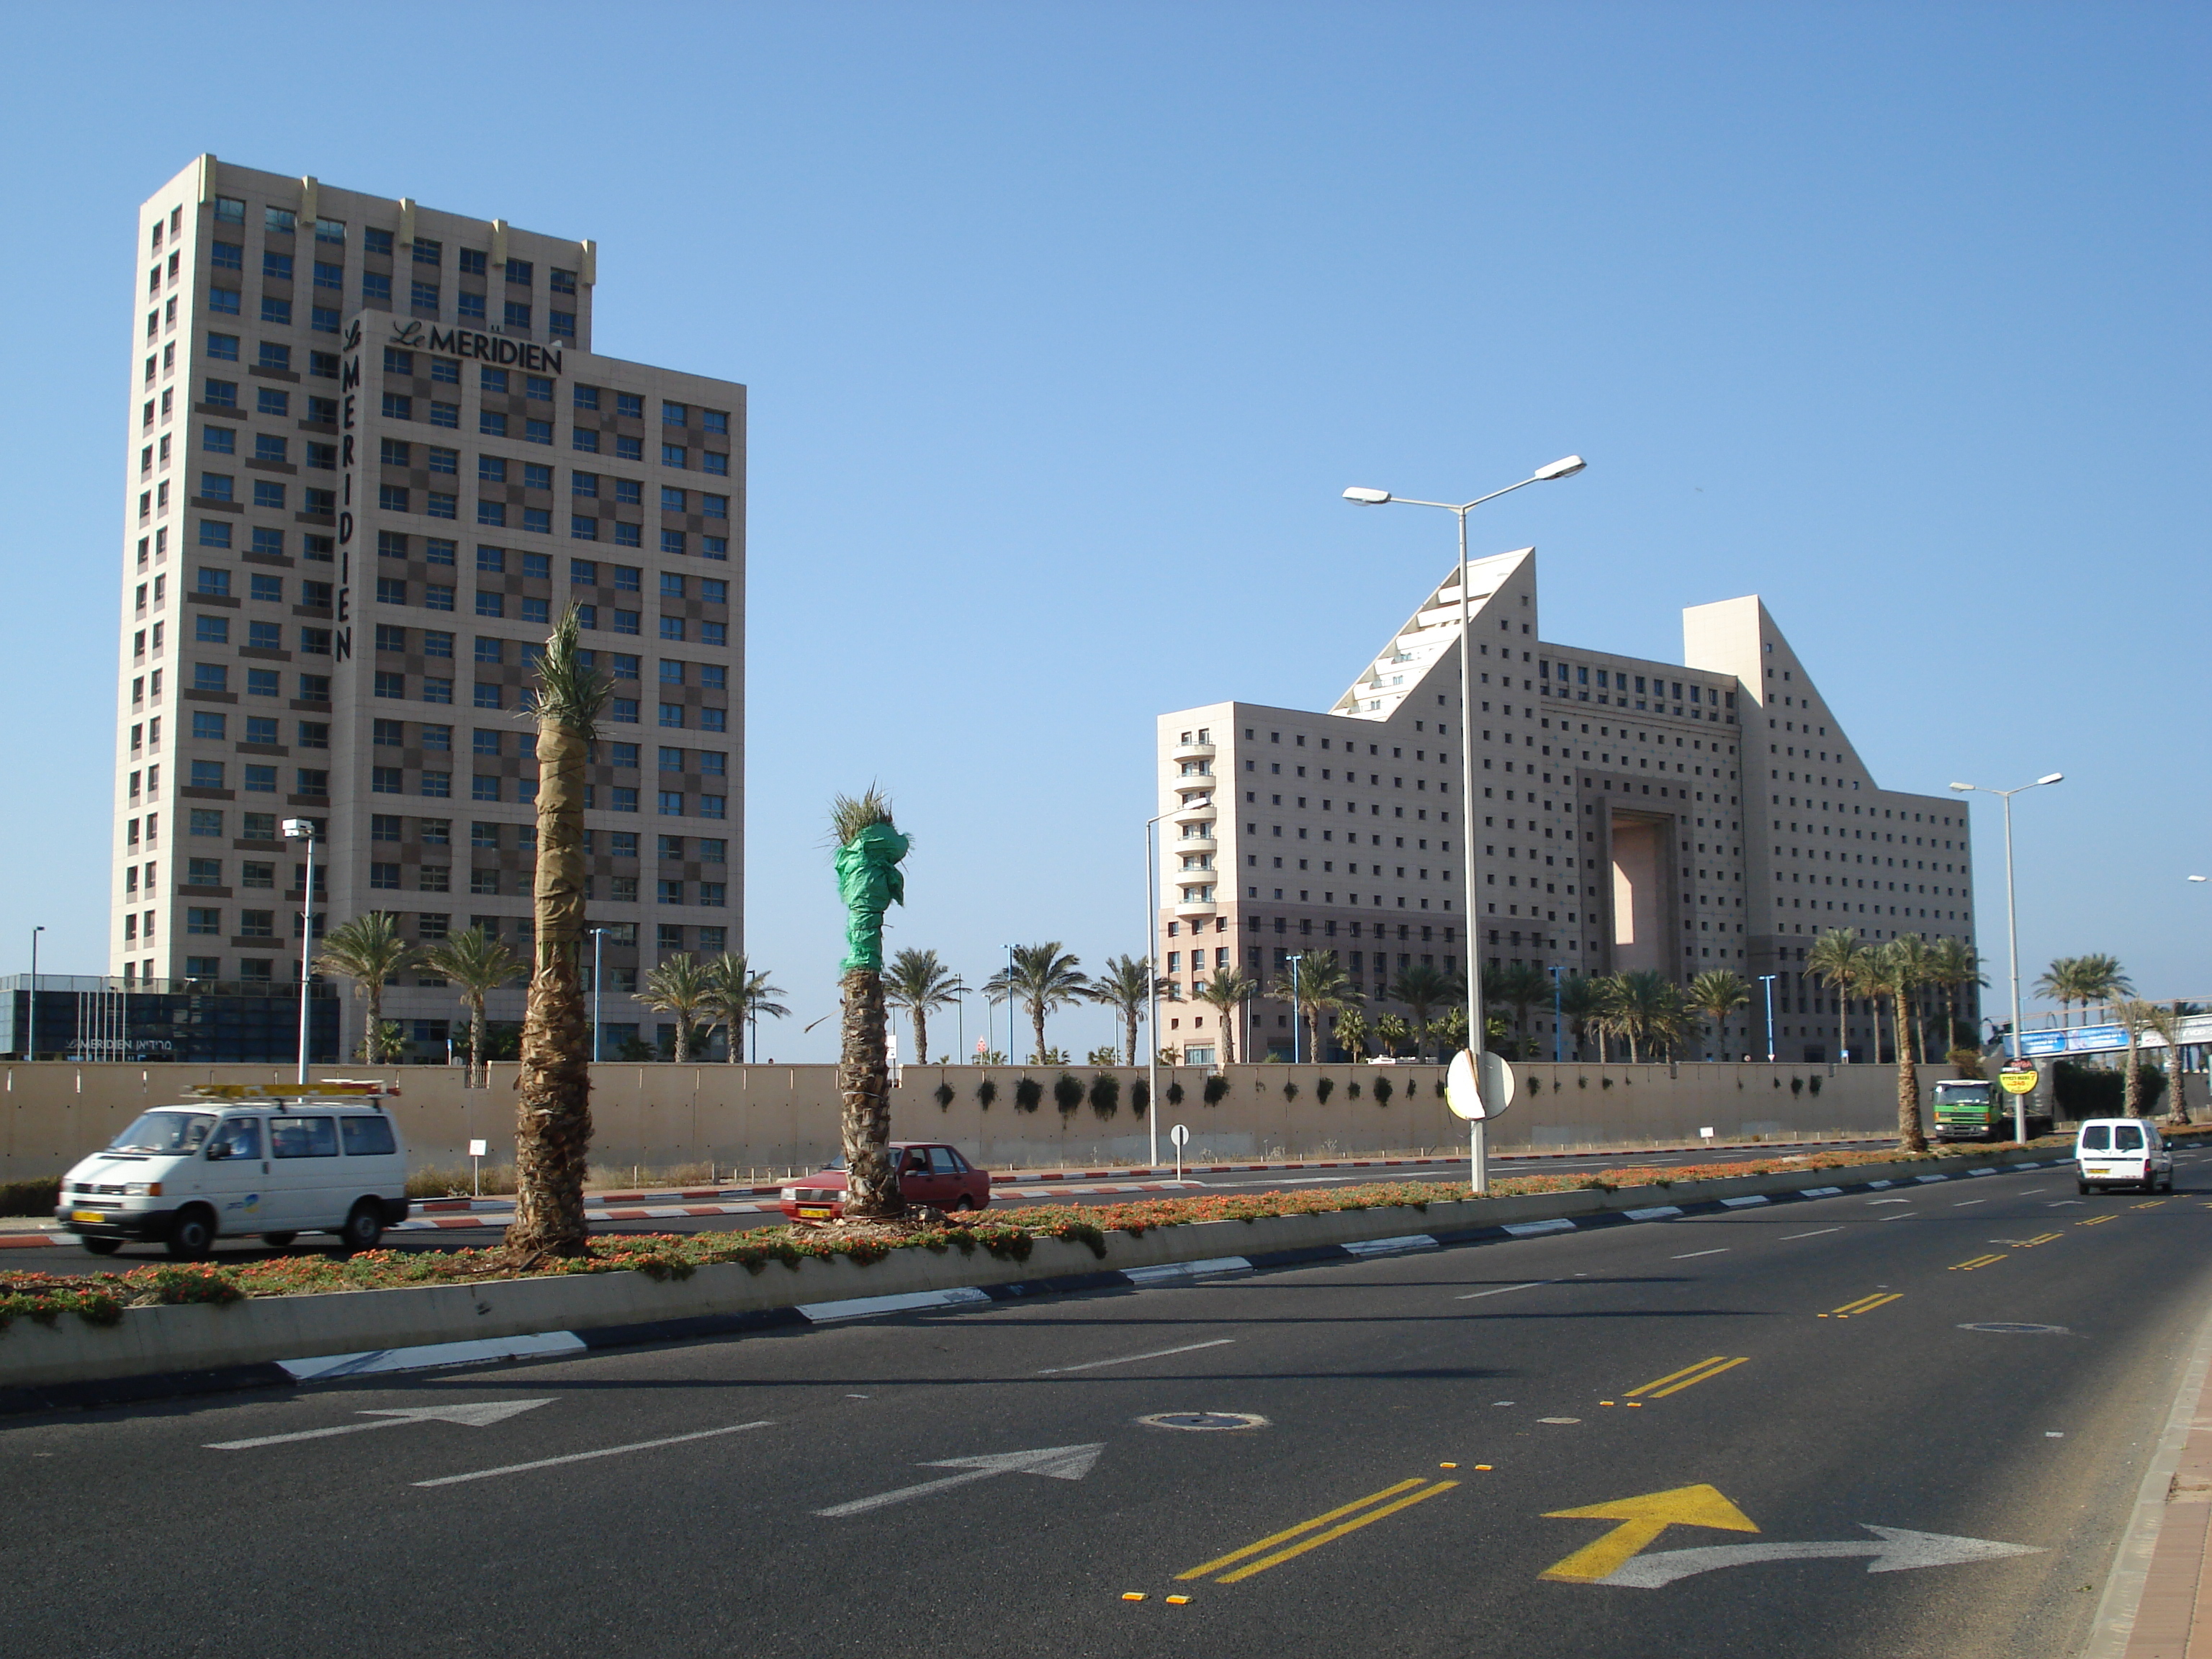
pixel 272 1340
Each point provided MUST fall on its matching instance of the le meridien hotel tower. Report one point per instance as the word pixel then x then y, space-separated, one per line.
pixel 372 455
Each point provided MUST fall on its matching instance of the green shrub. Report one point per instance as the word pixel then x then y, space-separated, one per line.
pixel 1322 1088
pixel 35 1197
pixel 944 1097
pixel 1289 1091
pixel 1352 1088
pixel 986 1092
pixel 2087 1091
pixel 1140 1097
pixel 1029 1093
pixel 1383 1091
pixel 1067 1094
pixel 1216 1087
pixel 1105 1095
pixel 1174 1094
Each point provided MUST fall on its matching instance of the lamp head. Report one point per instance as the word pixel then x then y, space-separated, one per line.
pixel 1367 498
pixel 2201 877
pixel 299 829
pixel 1964 788
pixel 1565 468
pixel 2056 777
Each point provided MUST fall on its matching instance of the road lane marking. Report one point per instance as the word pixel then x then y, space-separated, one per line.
pixel 1689 1376
pixel 1288 1533
pixel 475 1417
pixel 1816 1233
pixel 1132 1358
pixel 583 1457
pixel 1902 1215
pixel 2153 1205
pixel 1863 1305
pixel 1642 1520
pixel 1723 1250
pixel 1335 1533
pixel 1897 1551
pixel 1963 1202
pixel 1055 1462
pixel 1472 1295
pixel 2096 1221
pixel 1977 1261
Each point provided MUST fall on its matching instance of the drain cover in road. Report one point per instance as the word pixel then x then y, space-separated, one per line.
pixel 1204 1420
pixel 2003 1329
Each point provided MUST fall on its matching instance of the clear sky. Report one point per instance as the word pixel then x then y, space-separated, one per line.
pixel 1066 324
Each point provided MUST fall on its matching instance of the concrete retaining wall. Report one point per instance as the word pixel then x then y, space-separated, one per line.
pixel 150 1340
pixel 775 1117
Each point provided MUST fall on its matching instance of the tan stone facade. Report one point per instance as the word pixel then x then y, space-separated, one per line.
pixel 1632 814
pixel 373 456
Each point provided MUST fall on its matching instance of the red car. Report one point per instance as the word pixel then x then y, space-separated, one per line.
pixel 930 1172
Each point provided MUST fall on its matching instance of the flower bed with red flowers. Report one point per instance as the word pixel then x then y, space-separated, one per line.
pixel 1007 1234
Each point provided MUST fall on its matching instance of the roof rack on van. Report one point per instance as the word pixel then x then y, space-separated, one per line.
pixel 372 1089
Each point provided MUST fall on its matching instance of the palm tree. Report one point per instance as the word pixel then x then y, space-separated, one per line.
pixel 1042 978
pixel 2061 983
pixel 1229 989
pixel 478 963
pixel 1954 965
pixel 1421 989
pixel 1392 1030
pixel 1128 987
pixel 2134 1018
pixel 918 982
pixel 737 997
pixel 553 1103
pixel 1645 1008
pixel 2102 980
pixel 1836 960
pixel 369 951
pixel 1896 970
pixel 1581 1000
pixel 869 881
pixel 681 986
pixel 1717 994
pixel 1352 1032
pixel 1519 987
pixel 2166 1019
pixel 1315 985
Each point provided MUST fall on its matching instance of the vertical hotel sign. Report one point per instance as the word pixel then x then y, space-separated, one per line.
pixel 348 457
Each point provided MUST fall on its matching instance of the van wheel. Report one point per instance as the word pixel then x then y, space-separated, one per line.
pixel 364 1228
pixel 192 1235
pixel 102 1246
pixel 278 1240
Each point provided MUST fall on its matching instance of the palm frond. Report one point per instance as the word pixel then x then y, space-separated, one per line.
pixel 568 694
pixel 849 815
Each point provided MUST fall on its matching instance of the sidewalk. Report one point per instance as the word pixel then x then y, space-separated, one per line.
pixel 2172 1618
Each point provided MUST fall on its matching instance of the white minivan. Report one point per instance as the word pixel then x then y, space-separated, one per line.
pixel 275 1162
pixel 2122 1152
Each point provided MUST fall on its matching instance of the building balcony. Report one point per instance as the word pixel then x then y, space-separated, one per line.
pixel 1197 812
pixel 1191 907
pixel 1195 775
pixel 1192 751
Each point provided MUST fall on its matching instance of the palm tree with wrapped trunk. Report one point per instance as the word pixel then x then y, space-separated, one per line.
pixel 869 849
pixel 553 1110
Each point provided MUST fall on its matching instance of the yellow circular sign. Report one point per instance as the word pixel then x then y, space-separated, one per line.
pixel 2019 1083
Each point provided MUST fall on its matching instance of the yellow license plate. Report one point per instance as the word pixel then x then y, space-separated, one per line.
pixel 814 1214
pixel 2096 1172
pixel 93 1216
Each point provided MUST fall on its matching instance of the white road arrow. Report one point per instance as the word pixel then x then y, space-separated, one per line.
pixel 1898 1551
pixel 475 1417
pixel 1055 1462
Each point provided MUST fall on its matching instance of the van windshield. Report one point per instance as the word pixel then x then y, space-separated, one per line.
pixel 165 1131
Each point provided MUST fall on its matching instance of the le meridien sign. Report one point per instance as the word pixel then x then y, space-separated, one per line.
pixel 484 347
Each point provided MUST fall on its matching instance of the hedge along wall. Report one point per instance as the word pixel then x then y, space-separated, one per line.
pixel 776 1117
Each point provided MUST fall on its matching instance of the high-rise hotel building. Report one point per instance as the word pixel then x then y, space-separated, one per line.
pixel 372 455
pixel 1633 815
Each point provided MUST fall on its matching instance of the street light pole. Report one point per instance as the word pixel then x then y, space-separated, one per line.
pixel 2012 926
pixel 1558 967
pixel 1565 468
pixel 304 829
pixel 598 982
pixel 1296 958
pixel 1767 980
pixel 30 1044
pixel 1151 996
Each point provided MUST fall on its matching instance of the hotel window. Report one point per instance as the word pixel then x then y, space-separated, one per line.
pixel 714 547
pixel 422 296
pixel 470 308
pixel 275 311
pixel 517 314
pixel 270 401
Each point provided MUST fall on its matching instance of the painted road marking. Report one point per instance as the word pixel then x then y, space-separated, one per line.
pixel 2153 1205
pixel 1723 1250
pixel 1054 1463
pixel 1978 1261
pixel 1132 1358
pixel 1654 1213
pixel 2029 1244
pixel 1472 1295
pixel 1864 1304
pixel 1963 1202
pixel 1688 1378
pixel 1897 1551
pixel 1816 1233
pixel 2096 1221
pixel 1400 1496
pixel 1642 1520
pixel 1902 1215
pixel 582 1457
pixel 475 1417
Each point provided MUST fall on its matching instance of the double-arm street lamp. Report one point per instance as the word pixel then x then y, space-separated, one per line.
pixel 2012 926
pixel 1560 469
pixel 306 830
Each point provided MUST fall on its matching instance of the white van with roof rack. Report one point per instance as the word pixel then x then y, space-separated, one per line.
pixel 272 1160
pixel 2122 1152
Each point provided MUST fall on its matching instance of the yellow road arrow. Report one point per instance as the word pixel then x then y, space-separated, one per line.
pixel 1643 1519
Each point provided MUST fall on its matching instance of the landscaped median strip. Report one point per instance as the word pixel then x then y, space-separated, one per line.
pixel 465 1306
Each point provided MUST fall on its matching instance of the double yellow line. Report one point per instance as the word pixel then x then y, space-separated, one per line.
pixel 1865 1304
pixel 1688 1378
pixel 1310 1533
pixel 1978 1261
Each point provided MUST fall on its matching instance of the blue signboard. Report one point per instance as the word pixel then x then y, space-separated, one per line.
pixel 2074 1039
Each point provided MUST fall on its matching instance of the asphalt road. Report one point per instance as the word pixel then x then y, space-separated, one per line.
pixel 659 1500
pixel 69 1258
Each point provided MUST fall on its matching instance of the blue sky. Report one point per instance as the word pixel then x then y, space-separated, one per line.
pixel 1064 325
